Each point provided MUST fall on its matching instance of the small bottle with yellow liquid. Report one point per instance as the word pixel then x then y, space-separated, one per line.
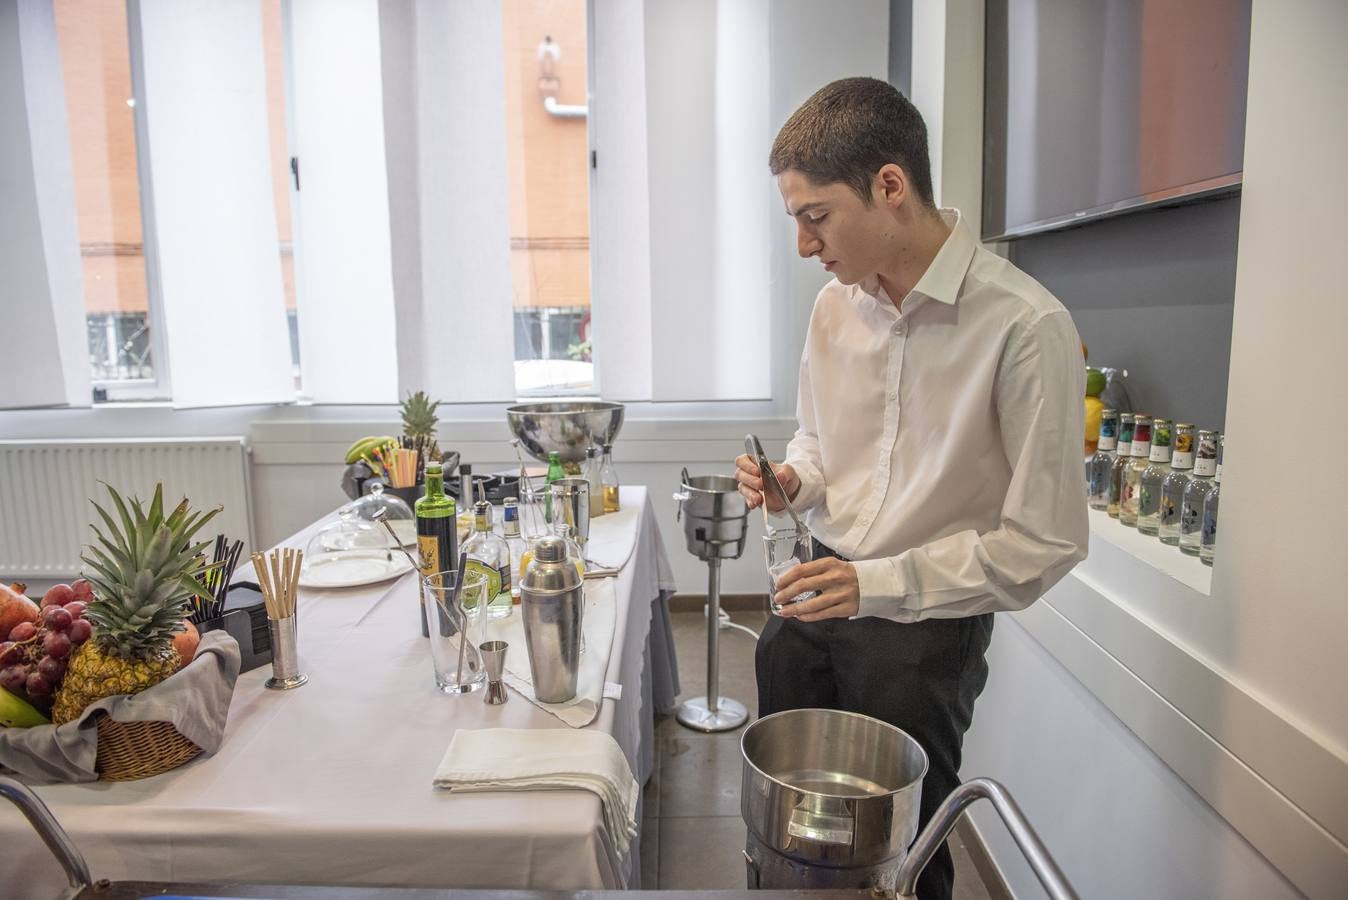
pixel 608 477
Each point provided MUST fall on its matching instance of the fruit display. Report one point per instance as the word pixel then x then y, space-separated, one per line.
pixel 34 655
pixel 144 574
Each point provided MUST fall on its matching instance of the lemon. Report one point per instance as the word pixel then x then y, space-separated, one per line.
pixel 1094 406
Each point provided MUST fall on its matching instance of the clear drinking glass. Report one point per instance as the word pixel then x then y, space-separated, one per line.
pixel 457 662
pixel 786 548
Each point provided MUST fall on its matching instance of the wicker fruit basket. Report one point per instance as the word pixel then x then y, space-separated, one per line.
pixel 131 750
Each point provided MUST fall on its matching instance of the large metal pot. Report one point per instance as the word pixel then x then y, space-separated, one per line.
pixel 828 790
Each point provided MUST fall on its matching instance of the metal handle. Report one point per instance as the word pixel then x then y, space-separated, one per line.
pixel 769 476
pixel 939 828
pixel 51 832
pixel 683 497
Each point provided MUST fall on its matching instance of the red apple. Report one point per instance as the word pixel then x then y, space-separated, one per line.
pixel 84 591
pixel 58 595
pixel 15 608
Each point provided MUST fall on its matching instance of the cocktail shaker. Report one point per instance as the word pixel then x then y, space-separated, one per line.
pixel 552 598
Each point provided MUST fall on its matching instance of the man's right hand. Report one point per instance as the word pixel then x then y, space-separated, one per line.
pixel 751 482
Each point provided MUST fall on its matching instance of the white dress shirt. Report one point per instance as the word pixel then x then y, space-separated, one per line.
pixel 940 448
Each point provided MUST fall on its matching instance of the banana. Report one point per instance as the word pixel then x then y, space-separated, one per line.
pixel 362 448
pixel 15 713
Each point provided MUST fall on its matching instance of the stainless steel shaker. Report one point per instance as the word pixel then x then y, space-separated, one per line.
pixel 552 598
pixel 573 495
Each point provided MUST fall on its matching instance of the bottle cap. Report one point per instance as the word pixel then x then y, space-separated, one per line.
pixel 550 549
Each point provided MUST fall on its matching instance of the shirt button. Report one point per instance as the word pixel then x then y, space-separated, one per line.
pixel 898 329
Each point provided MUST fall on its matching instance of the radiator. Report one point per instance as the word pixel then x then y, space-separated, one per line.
pixel 46 486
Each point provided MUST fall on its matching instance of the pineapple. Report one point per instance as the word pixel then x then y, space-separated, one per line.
pixel 145 575
pixel 419 425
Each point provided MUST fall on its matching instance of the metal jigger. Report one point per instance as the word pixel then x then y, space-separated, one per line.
pixel 493 658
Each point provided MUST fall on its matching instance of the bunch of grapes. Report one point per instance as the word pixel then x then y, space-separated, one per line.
pixel 34 657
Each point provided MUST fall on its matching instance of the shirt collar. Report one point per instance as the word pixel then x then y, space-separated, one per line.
pixel 945 275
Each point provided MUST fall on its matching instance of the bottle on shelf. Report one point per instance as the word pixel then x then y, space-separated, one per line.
pixel 555 471
pixel 593 476
pixel 1119 463
pixel 510 527
pixel 1139 455
pixel 1172 488
pixel 1207 546
pixel 489 556
pixel 437 532
pixel 1191 509
pixel 1099 464
pixel 608 477
pixel 1149 483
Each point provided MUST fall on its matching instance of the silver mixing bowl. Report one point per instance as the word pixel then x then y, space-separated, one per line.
pixel 567 428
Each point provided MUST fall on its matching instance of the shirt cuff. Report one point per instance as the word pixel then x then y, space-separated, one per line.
pixel 881 590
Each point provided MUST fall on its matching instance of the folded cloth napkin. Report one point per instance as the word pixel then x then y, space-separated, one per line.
pixel 195 700
pixel 547 759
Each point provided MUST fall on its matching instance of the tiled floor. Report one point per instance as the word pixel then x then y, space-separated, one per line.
pixel 692 834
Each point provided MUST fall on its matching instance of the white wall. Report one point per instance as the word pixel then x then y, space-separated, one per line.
pixel 1167 742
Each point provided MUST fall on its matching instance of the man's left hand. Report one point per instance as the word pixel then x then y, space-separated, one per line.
pixel 839 594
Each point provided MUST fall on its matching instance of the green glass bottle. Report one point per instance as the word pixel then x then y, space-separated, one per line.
pixel 555 472
pixel 437 531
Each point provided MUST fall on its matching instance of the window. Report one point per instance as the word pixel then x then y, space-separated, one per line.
pixel 546 129
pixel 96 63
pixel 284 169
pixel 96 69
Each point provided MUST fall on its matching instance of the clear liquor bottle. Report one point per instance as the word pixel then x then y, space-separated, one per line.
pixel 1149 483
pixel 1140 453
pixel 1207 547
pixel 489 556
pixel 1191 512
pixel 1172 489
pixel 1100 463
pixel 608 476
pixel 510 527
pixel 1119 463
pixel 595 479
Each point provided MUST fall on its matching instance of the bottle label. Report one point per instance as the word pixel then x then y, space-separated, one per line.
pixel 1205 466
pixel 1218 477
pixel 1140 449
pixel 1160 453
pixel 1125 448
pixel 429 547
pixel 1182 460
pixel 497 579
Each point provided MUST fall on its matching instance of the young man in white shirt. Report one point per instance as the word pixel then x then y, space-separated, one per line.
pixel 938 460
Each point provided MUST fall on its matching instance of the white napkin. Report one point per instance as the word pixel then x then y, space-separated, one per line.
pixel 552 759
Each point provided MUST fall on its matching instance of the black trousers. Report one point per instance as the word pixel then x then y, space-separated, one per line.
pixel 922 677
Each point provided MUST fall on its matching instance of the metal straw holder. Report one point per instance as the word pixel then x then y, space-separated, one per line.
pixel 285 660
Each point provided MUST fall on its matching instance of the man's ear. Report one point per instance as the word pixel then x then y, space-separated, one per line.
pixel 891 185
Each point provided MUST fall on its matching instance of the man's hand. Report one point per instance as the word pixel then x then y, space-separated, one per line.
pixel 751 482
pixel 839 593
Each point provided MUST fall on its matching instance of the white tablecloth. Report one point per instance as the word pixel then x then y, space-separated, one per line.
pixel 331 783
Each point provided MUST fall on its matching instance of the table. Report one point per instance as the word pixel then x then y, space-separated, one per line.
pixel 331 783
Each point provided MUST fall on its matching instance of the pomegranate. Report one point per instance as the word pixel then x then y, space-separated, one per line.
pixel 15 608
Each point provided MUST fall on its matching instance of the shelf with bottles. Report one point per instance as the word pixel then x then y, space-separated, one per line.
pixel 1157 485
pixel 1187 570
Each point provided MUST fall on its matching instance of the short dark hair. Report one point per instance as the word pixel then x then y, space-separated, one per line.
pixel 848 131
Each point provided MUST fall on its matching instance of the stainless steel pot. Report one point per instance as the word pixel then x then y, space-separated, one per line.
pixel 830 788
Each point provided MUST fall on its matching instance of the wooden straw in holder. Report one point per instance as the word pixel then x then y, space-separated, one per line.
pixel 278 574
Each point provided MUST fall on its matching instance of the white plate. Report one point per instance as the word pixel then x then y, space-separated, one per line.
pixel 353 568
